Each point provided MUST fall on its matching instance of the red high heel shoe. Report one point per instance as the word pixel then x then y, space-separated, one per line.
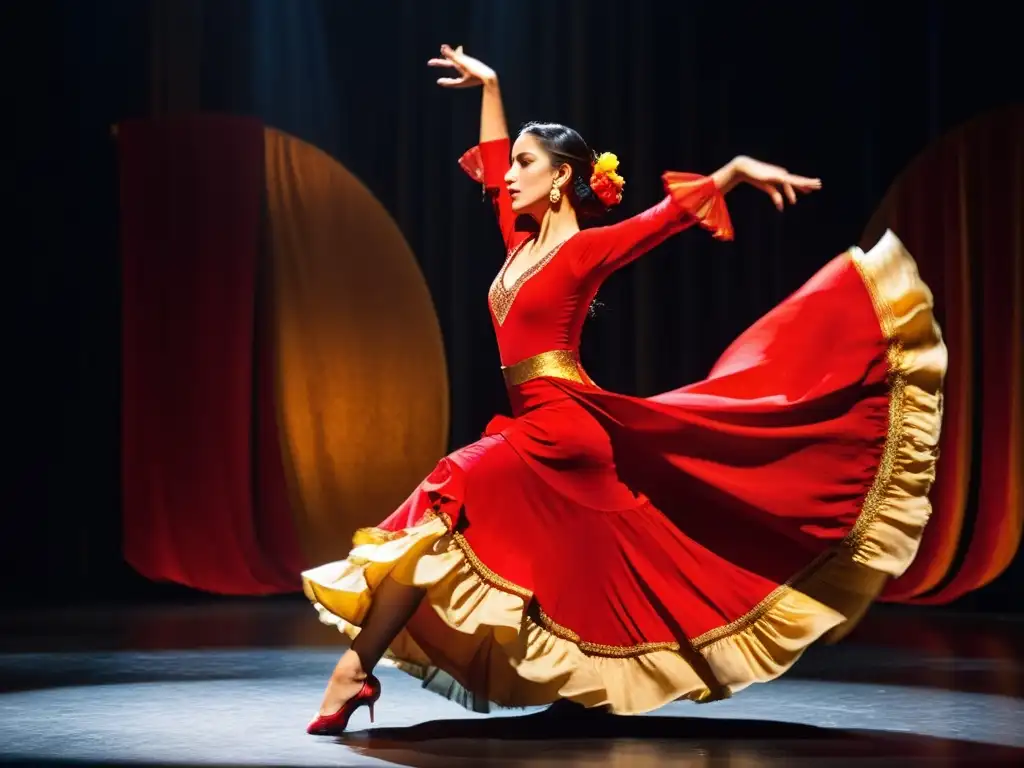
pixel 337 722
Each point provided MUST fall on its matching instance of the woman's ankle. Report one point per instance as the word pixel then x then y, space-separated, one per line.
pixel 349 668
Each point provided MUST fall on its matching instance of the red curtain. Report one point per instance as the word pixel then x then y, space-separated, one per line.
pixel 958 209
pixel 204 497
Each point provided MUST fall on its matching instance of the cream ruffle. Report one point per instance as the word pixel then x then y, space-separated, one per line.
pixel 496 653
pixel 493 650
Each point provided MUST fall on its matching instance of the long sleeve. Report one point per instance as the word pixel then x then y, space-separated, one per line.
pixel 689 199
pixel 487 164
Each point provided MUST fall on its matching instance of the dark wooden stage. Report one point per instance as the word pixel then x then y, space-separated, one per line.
pixel 234 682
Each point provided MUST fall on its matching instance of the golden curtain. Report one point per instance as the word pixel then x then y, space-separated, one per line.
pixel 362 388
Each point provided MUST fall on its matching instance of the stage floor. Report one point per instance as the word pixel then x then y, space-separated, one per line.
pixel 234 683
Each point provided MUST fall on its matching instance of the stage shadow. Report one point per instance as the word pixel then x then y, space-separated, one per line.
pixel 596 740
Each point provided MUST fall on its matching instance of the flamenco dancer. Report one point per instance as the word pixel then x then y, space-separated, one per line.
pixel 621 552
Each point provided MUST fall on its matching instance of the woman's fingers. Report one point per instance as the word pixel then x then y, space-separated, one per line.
pixel 803 183
pixel 449 82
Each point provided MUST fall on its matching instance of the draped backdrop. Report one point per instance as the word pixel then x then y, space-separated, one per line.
pixel 202 473
pixel 256 316
pixel 283 372
pixel 958 208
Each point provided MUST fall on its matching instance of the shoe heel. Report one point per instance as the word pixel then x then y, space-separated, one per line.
pixel 371 712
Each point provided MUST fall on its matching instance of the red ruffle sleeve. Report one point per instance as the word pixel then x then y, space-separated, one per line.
pixel 698 196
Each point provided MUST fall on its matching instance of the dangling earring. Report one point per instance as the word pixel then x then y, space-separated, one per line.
pixel 555 195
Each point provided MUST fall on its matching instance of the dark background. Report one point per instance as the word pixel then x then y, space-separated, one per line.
pixel 846 91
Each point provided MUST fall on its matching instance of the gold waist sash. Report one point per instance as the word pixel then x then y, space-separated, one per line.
pixel 558 364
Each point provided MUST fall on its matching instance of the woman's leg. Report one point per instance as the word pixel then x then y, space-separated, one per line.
pixel 393 605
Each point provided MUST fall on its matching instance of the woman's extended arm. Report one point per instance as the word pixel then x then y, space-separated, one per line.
pixel 690 199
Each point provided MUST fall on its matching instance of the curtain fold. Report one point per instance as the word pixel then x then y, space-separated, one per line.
pixel 201 468
pixel 958 208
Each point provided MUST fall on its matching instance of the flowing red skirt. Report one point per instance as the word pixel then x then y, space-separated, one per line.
pixel 626 552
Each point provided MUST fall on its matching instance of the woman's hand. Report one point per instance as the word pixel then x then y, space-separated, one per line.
pixel 472 72
pixel 769 178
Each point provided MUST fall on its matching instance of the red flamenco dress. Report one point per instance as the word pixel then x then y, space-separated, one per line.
pixel 627 552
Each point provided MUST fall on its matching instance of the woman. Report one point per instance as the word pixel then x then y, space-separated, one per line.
pixel 620 552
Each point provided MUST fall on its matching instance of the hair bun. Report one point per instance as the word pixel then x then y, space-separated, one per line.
pixel 605 181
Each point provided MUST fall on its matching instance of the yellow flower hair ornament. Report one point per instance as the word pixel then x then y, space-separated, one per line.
pixel 605 181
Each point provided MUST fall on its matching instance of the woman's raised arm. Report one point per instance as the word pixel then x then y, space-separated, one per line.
pixel 690 199
pixel 487 162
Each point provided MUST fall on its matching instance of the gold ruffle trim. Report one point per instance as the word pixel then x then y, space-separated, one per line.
pixel 494 646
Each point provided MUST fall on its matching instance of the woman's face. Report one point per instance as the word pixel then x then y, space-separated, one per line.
pixel 530 177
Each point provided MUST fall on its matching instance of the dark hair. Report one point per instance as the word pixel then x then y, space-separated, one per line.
pixel 565 145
